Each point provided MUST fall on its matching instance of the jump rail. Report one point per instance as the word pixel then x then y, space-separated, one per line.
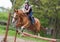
pixel 35 36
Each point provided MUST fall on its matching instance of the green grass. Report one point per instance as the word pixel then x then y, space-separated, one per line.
pixel 12 33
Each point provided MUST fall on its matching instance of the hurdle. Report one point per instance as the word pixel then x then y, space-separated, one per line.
pixel 39 37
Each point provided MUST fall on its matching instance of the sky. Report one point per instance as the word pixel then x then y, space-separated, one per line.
pixel 5 3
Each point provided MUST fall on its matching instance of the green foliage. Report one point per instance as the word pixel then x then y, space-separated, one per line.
pixel 3 16
pixel 17 3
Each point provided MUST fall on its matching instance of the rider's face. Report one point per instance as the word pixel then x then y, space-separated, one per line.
pixel 25 3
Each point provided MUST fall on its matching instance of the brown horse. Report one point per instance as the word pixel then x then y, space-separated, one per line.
pixel 21 19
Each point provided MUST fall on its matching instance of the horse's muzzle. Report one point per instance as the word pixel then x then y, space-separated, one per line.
pixel 13 21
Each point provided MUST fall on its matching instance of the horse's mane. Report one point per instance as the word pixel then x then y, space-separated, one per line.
pixel 22 13
pixel 23 16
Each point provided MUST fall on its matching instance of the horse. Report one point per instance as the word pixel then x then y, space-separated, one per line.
pixel 22 20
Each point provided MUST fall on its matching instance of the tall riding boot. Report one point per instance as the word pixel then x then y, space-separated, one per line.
pixel 32 20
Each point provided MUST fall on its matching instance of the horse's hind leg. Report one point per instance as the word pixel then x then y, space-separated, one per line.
pixel 38 34
pixel 35 33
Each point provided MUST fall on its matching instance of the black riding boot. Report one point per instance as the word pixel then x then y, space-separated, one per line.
pixel 32 20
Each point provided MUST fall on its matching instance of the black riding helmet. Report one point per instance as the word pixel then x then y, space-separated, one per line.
pixel 27 2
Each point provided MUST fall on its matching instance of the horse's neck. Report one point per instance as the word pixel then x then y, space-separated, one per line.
pixel 23 16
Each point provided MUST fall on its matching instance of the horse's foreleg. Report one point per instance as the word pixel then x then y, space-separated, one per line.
pixel 22 28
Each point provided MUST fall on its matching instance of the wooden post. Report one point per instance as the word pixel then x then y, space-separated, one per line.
pixel 15 36
pixel 7 27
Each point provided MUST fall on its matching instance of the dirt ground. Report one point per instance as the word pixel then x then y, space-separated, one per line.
pixel 11 39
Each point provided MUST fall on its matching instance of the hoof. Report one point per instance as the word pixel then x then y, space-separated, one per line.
pixel 22 35
pixel 18 33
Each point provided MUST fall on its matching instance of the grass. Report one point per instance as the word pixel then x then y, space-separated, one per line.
pixel 12 33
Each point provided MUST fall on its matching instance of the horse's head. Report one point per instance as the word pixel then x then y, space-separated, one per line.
pixel 17 15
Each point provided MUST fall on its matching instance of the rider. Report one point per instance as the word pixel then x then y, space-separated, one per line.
pixel 28 10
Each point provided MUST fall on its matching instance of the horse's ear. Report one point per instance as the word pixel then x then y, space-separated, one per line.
pixel 15 10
